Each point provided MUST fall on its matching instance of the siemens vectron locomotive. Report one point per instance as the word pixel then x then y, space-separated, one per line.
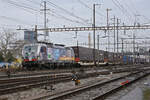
pixel 47 55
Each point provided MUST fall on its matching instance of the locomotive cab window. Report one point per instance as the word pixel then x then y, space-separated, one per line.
pixel 43 53
pixel 43 49
pixel 29 51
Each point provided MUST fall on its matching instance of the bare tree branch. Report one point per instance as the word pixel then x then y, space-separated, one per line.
pixel 6 38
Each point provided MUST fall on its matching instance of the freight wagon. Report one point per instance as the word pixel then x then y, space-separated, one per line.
pixel 84 54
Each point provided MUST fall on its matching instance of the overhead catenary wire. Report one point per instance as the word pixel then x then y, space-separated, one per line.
pixel 84 4
pixel 26 8
pixel 18 21
pixel 30 10
pixel 137 12
pixel 122 9
pixel 134 10
pixel 68 12
pixel 23 7
pixel 14 19
pixel 58 15
pixel 131 9
pixel 54 14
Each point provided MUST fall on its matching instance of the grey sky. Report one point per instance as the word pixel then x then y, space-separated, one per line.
pixel 26 13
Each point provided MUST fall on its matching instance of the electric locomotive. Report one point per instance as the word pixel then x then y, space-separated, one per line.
pixel 47 55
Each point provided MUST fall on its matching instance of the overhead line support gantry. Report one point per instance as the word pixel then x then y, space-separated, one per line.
pixel 103 28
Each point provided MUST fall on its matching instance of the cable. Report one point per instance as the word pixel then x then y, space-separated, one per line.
pixel 131 8
pixel 21 6
pixel 122 9
pixel 14 3
pixel 28 8
pixel 137 12
pixel 81 2
pixel 13 19
pixel 68 12
pixel 59 15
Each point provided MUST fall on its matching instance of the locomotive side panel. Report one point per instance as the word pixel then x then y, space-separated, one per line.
pixel 48 56
pixel 43 53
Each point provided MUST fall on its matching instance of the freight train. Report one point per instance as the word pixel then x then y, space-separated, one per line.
pixel 47 55
pixel 51 56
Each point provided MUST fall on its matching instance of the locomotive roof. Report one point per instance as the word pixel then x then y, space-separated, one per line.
pixel 60 45
pixel 46 44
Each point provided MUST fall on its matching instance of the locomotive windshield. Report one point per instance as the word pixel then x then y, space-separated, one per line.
pixel 30 51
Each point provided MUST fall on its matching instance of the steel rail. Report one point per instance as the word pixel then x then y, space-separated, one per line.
pixel 68 93
pixel 111 92
pixel 24 84
pixel 28 84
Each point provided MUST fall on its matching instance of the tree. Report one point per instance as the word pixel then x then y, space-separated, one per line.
pixel 1 57
pixel 9 57
pixel 6 38
pixel 17 47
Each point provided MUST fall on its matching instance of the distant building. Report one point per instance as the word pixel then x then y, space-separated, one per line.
pixel 30 36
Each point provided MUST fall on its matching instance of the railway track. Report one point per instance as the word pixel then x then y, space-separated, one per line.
pixel 55 71
pixel 97 91
pixel 118 88
pixel 66 71
pixel 36 73
pixel 20 84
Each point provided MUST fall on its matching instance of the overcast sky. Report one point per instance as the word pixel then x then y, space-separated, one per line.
pixel 73 13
